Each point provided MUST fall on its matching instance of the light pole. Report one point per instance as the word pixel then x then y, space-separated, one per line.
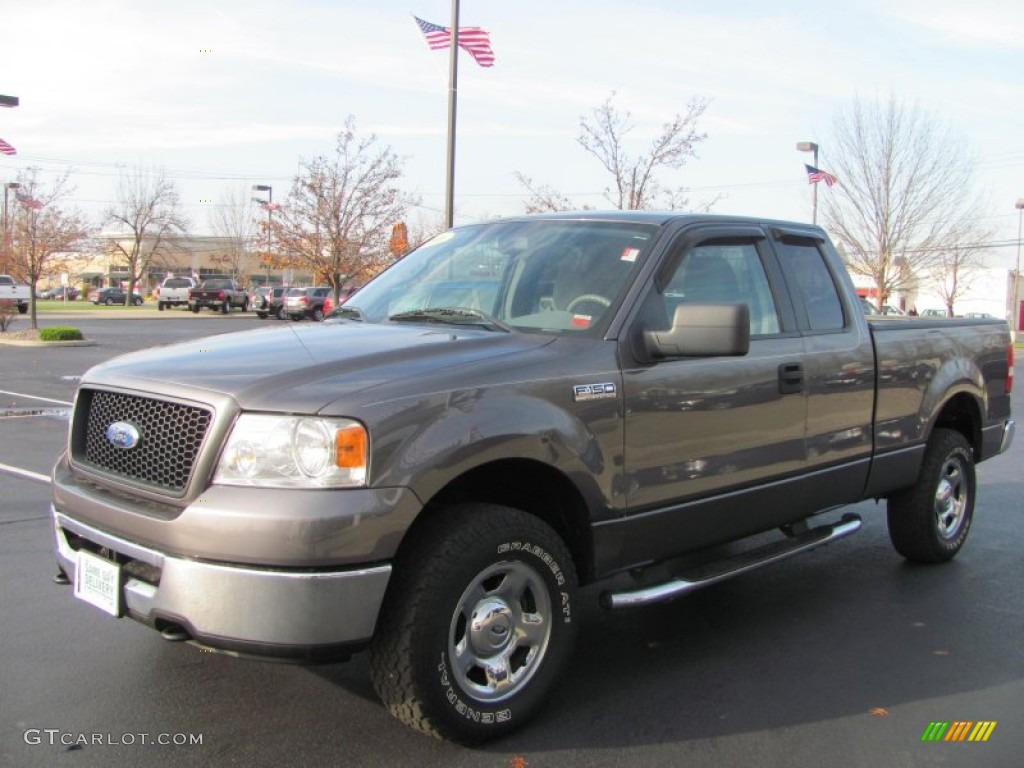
pixel 810 146
pixel 1015 316
pixel 7 233
pixel 268 205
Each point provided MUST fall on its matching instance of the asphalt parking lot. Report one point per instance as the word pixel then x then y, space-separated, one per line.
pixel 840 657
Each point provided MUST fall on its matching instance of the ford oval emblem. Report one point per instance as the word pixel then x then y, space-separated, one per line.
pixel 121 434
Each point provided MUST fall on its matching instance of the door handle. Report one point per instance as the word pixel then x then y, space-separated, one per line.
pixel 791 378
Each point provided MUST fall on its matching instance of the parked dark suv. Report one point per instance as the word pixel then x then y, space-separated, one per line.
pixel 270 301
pixel 306 302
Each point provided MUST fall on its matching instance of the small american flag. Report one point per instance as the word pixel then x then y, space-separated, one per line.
pixel 28 201
pixel 814 175
pixel 6 148
pixel 473 40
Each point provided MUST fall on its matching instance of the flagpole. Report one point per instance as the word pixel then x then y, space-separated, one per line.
pixel 453 87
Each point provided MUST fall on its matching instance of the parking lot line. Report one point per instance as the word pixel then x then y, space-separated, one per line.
pixel 25 473
pixel 34 397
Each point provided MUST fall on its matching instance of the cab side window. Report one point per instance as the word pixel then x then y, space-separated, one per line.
pixel 717 273
pixel 812 281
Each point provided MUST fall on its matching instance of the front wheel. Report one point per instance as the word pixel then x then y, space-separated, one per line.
pixel 108 301
pixel 477 623
pixel 929 522
pixel 225 308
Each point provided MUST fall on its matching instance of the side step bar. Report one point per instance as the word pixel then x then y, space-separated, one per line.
pixel 734 566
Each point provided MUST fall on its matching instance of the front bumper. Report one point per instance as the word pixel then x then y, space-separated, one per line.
pixel 263 611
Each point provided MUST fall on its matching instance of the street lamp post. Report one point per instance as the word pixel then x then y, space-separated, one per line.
pixel 1015 320
pixel 810 146
pixel 268 204
pixel 6 228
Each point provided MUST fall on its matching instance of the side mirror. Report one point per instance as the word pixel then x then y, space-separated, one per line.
pixel 702 330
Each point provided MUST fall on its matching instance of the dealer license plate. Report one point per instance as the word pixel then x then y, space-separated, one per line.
pixel 98 581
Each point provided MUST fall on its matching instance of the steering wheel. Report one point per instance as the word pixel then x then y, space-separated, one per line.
pixel 588 297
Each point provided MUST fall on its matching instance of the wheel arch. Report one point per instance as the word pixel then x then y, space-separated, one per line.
pixel 530 486
pixel 961 413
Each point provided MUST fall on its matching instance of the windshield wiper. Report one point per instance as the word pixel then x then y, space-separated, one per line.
pixel 451 316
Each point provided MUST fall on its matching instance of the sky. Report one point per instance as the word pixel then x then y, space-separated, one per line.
pixel 224 94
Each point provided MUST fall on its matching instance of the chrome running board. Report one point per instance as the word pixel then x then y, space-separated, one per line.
pixel 721 570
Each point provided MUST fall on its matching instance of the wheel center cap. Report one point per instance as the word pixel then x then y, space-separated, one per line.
pixel 490 625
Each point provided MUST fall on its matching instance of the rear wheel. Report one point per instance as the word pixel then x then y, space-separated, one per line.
pixel 477 623
pixel 929 522
pixel 161 306
pixel 225 308
pixel 108 301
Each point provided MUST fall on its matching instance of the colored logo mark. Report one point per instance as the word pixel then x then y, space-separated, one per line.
pixel 959 730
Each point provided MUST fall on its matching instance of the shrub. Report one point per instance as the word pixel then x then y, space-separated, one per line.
pixel 60 333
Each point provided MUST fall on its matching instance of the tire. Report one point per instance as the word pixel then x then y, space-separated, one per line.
pixel 22 309
pixel 136 302
pixel 161 306
pixel 318 314
pixel 225 308
pixel 108 301
pixel 281 315
pixel 500 565
pixel 929 522
pixel 195 309
pixel 262 315
pixel 245 305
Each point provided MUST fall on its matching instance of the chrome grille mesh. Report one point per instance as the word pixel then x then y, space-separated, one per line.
pixel 170 438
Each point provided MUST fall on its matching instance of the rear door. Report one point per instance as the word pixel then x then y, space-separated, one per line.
pixel 839 367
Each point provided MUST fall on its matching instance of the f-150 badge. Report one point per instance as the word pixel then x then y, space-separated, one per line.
pixel 582 392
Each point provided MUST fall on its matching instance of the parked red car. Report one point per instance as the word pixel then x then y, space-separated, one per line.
pixel 342 297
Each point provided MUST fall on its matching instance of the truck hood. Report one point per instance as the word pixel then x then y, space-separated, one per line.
pixel 304 368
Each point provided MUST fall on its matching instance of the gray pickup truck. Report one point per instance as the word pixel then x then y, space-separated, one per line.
pixel 514 409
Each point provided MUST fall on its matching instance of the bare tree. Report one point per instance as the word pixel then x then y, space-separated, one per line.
pixel 635 180
pixel 147 216
pixel 43 232
pixel 904 196
pixel 954 271
pixel 543 198
pixel 234 224
pixel 337 220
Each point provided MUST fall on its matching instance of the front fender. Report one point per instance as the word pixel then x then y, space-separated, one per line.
pixel 432 441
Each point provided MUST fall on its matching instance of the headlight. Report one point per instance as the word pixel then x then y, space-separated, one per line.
pixel 294 452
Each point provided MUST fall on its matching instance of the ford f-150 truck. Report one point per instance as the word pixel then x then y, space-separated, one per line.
pixel 218 293
pixel 17 294
pixel 514 409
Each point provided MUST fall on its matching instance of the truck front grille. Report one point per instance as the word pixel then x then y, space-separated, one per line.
pixel 169 438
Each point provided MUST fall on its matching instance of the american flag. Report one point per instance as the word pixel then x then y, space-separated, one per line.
pixel 7 149
pixel 473 40
pixel 270 206
pixel 814 175
pixel 28 201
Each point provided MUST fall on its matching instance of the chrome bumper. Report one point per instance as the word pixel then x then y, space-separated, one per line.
pixel 238 606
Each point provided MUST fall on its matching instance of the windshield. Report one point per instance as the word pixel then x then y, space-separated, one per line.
pixel 557 276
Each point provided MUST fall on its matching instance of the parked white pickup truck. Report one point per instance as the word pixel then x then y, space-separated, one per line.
pixel 11 291
pixel 173 292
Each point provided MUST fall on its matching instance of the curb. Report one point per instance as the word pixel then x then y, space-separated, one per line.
pixel 23 343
